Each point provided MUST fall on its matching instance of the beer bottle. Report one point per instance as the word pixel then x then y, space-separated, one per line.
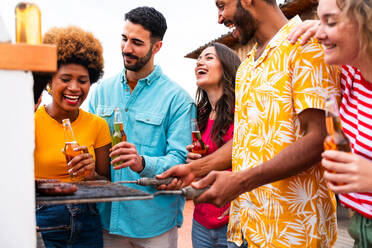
pixel 336 138
pixel 118 135
pixel 70 144
pixel 28 23
pixel 197 142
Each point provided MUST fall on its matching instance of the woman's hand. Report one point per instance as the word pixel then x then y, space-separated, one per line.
pixel 347 172
pixel 306 30
pixel 82 164
pixel 190 155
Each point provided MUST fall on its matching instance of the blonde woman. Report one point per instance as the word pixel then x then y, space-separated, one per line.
pixel 345 31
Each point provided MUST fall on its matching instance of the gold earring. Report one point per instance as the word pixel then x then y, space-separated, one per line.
pixel 49 89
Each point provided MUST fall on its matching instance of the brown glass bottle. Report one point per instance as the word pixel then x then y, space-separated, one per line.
pixel 197 142
pixel 28 23
pixel 70 144
pixel 336 138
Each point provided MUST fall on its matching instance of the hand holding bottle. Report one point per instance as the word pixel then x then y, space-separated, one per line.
pixel 124 155
pixel 191 156
pixel 198 145
pixel 347 172
pixel 82 164
pixel 336 138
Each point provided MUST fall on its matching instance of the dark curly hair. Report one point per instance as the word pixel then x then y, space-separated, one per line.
pixel 74 46
pixel 225 105
pixel 150 19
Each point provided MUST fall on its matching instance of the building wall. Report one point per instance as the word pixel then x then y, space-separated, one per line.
pixel 17 189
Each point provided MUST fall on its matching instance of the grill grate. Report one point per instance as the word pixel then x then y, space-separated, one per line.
pixel 96 191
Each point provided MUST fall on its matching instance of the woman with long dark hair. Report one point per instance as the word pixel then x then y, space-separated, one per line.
pixel 215 100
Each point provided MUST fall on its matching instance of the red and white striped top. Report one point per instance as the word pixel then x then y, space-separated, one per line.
pixel 356 116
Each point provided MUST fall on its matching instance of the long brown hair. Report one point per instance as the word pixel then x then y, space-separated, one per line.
pixel 225 105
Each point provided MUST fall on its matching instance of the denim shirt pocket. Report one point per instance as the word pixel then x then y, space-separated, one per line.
pixel 147 129
pixel 106 113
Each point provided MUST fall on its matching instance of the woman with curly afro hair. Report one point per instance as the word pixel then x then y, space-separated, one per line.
pixel 80 63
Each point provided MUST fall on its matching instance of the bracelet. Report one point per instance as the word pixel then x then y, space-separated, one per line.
pixel 143 164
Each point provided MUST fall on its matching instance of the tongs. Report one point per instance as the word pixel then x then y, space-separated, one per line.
pixel 189 192
pixel 147 181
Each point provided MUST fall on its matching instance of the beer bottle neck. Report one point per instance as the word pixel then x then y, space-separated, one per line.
pixel 118 126
pixel 117 116
pixel 337 124
pixel 69 134
pixel 333 123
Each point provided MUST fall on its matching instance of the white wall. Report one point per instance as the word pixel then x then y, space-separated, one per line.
pixel 17 190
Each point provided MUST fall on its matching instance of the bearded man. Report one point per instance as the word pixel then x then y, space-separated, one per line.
pixel 280 198
pixel 156 113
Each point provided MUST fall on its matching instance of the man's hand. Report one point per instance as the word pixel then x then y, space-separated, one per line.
pixel 125 155
pixel 306 30
pixel 187 173
pixel 220 192
pixel 181 172
pixel 82 164
pixel 346 172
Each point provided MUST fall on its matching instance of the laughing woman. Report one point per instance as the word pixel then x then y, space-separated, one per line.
pixel 215 98
pixel 345 31
pixel 80 63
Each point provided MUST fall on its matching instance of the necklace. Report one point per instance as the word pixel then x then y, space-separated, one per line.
pixel 59 119
pixel 212 114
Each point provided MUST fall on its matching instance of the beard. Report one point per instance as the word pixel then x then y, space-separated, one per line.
pixel 141 62
pixel 245 23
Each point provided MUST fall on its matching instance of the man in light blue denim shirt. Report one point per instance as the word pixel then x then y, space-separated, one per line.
pixel 156 113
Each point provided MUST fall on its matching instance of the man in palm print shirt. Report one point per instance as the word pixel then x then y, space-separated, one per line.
pixel 281 199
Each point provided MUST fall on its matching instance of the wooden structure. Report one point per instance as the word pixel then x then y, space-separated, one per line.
pixel 27 57
pixel 17 188
pixel 306 9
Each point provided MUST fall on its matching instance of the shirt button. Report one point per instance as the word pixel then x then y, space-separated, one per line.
pixel 147 119
pixel 126 110
pixel 126 90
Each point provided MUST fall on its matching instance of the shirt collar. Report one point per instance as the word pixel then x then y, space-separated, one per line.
pixel 148 80
pixel 278 38
pixel 283 32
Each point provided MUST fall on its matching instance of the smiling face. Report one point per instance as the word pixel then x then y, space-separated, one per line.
pixel 233 15
pixel 136 46
pixel 70 86
pixel 338 35
pixel 208 70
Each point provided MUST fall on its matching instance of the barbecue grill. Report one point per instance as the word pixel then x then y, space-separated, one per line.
pixel 95 191
pixel 105 191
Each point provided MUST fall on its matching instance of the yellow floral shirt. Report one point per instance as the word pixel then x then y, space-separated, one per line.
pixel 271 92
